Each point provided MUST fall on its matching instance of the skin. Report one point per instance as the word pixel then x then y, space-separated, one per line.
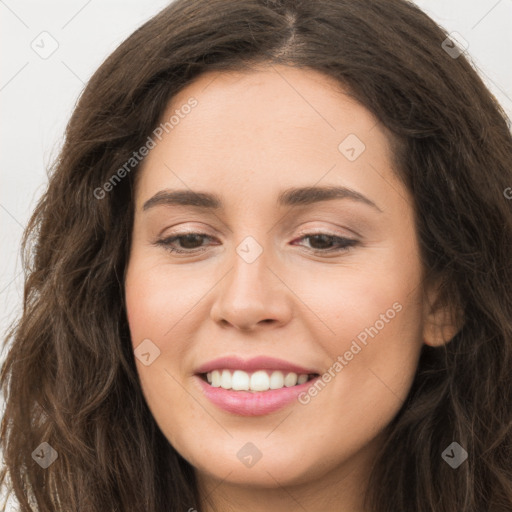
pixel 251 136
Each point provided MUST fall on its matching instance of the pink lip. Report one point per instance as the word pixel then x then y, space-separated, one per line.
pixel 245 403
pixel 250 365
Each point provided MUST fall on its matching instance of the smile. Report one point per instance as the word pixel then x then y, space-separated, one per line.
pixel 253 387
pixel 258 381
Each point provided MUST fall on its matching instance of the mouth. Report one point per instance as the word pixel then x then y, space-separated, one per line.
pixel 254 394
pixel 253 387
pixel 255 382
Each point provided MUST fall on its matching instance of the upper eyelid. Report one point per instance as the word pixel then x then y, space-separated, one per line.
pixel 303 232
pixel 286 227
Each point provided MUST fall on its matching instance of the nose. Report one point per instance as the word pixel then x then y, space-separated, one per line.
pixel 252 295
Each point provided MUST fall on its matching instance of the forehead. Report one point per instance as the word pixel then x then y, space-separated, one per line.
pixel 267 129
pixel 269 98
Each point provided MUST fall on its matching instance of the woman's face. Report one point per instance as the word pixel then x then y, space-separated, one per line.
pixel 269 289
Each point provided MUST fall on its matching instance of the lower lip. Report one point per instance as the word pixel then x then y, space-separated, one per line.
pixel 258 403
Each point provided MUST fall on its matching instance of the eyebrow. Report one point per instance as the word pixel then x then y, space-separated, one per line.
pixel 297 196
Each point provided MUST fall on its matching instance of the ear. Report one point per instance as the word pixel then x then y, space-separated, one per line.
pixel 441 321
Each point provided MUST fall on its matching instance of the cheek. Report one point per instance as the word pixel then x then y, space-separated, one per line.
pixel 156 308
pixel 377 299
pixel 374 365
pixel 371 320
pixel 157 297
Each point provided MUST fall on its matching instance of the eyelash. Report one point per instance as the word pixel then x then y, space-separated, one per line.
pixel 345 243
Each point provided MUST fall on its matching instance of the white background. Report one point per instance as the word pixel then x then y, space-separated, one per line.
pixel 37 95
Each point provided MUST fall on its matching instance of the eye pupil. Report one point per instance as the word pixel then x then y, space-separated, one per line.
pixel 190 238
pixel 325 238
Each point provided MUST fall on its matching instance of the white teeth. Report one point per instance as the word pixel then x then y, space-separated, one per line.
pixel 261 380
pixel 225 379
pixel 276 380
pixel 239 380
pixel 216 379
pixel 302 378
pixel 290 379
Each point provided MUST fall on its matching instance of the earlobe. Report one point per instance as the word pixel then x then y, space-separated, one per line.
pixel 441 321
pixel 439 330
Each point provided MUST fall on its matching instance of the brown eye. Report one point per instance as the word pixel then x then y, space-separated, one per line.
pixel 318 242
pixel 323 242
pixel 189 242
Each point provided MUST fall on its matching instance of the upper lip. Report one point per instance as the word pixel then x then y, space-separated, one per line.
pixel 249 365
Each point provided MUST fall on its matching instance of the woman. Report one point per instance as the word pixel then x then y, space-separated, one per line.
pixel 271 271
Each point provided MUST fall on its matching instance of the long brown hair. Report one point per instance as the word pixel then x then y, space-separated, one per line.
pixel 70 379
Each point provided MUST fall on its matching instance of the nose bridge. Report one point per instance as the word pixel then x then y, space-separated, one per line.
pixel 251 265
pixel 250 281
pixel 251 292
